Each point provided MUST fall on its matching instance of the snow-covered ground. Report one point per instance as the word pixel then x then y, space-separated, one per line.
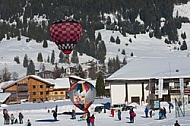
pixel 39 116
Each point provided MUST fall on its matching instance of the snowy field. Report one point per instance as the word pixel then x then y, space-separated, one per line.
pixel 39 116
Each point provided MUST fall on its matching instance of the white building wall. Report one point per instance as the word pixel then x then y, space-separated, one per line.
pixel 118 93
pixel 134 90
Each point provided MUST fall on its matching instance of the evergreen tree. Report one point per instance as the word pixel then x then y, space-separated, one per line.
pixel 74 57
pixel 61 57
pixel 57 72
pixel 15 75
pixel 118 40
pixel 100 87
pixel 124 61
pixel 183 35
pixel 52 57
pixel 183 46
pixel 123 52
pixel 25 61
pixel 39 57
pixel 45 44
pixel 101 51
pixel 16 59
pixel 112 39
pixel 48 60
pixel 99 37
pixel 31 68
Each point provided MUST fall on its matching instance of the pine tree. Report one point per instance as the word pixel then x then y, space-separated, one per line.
pixel 57 72
pixel 118 40
pixel 31 68
pixel 16 59
pixel 112 39
pixel 61 57
pixel 52 57
pixel 100 87
pixel 124 61
pixel 48 60
pixel 74 57
pixel 45 44
pixel 101 51
pixel 99 37
pixel 25 61
pixel 39 57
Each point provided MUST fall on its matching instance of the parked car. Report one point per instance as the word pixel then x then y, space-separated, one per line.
pixel 99 108
pixel 125 108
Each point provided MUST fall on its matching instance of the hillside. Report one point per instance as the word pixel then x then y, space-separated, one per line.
pixel 141 46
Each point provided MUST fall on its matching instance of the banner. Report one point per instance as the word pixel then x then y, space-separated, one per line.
pixel 160 88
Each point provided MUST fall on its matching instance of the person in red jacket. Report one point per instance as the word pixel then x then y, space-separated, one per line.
pixel 92 119
pixel 112 112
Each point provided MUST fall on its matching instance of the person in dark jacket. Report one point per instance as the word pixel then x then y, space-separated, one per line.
pixel 119 114
pixel 73 114
pixel 164 112
pixel 54 115
pixel 29 123
pixel 176 123
pixel 20 116
pixel 88 119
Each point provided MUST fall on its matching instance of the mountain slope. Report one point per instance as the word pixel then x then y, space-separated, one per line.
pixel 141 46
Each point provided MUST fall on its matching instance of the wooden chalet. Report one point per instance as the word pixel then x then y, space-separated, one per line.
pixel 32 88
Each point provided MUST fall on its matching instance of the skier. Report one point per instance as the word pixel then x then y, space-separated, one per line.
pixel 12 118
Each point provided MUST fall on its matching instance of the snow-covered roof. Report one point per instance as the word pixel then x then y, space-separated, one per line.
pixel 60 82
pixel 77 77
pixel 9 83
pixel 146 68
pixel 4 96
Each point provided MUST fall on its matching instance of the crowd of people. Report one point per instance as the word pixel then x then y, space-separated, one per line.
pixel 12 119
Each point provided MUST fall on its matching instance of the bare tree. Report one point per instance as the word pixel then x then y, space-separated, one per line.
pixel 5 75
pixel 15 75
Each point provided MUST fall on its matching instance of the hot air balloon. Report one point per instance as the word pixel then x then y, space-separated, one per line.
pixel 82 95
pixel 66 34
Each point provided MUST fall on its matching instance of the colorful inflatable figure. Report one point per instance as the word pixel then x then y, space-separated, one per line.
pixel 82 94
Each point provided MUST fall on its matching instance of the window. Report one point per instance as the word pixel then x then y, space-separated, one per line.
pixel 176 85
pixel 34 93
pixel 34 86
pixel 41 93
pixel 41 86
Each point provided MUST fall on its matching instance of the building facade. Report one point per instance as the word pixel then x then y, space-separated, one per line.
pixel 34 89
pixel 146 80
